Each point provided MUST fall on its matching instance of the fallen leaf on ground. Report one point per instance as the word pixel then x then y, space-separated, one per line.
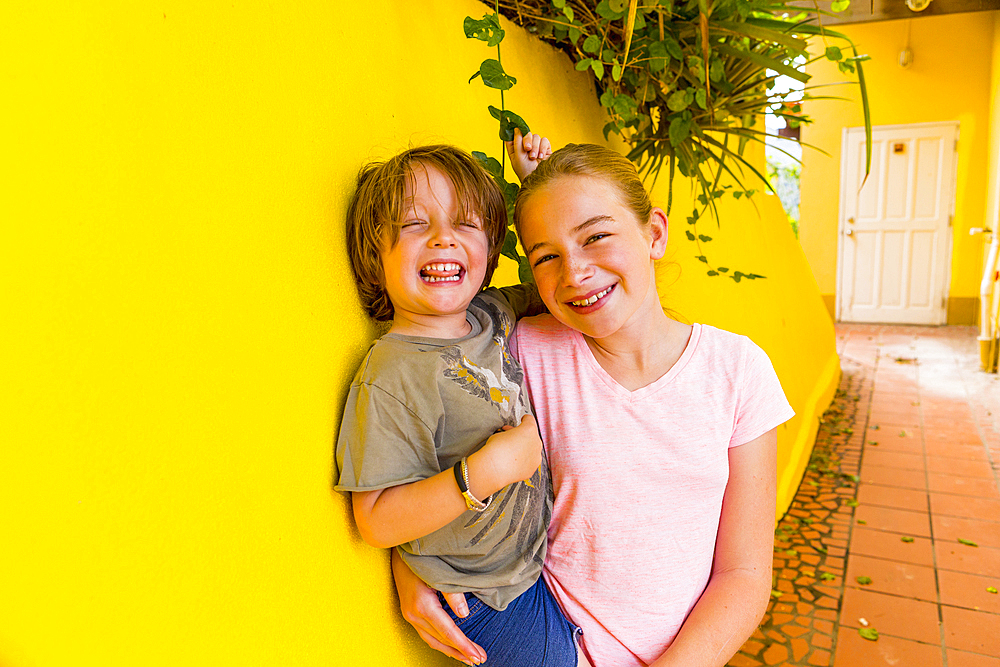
pixel 871 634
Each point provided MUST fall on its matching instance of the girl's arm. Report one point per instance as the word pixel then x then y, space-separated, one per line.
pixel 738 591
pixel 422 609
pixel 406 512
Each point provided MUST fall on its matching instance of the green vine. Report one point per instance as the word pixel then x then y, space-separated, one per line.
pixel 492 74
pixel 683 81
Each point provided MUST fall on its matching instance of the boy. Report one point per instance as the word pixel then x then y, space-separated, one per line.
pixel 438 446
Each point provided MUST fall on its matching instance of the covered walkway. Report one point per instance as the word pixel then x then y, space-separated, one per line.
pixel 895 530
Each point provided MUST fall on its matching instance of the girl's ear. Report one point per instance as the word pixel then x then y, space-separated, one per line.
pixel 657 229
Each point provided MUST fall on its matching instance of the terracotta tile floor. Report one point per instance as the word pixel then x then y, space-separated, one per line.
pixel 903 489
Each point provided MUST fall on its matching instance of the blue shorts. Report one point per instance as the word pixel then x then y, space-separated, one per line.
pixel 530 632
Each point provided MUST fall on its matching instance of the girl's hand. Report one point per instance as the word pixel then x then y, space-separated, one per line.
pixel 526 152
pixel 510 455
pixel 422 609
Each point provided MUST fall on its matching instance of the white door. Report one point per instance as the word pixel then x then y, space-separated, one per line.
pixel 895 242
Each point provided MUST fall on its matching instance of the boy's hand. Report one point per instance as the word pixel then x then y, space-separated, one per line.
pixel 526 152
pixel 509 455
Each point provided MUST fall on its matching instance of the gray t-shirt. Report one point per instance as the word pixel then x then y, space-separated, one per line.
pixel 417 406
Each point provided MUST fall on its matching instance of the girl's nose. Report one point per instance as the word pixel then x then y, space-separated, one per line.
pixel 576 270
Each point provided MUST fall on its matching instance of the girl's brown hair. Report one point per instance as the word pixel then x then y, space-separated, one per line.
pixel 594 161
pixel 379 203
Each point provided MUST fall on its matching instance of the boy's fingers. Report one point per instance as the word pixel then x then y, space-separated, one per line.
pixel 545 149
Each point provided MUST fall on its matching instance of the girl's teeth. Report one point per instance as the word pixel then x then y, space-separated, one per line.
pixel 592 300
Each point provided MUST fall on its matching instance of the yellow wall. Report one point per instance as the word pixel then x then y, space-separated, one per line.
pixel 181 326
pixel 949 80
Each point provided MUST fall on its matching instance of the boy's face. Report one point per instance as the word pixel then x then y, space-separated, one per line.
pixel 439 261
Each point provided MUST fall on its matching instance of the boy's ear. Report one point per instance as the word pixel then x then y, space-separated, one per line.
pixel 657 228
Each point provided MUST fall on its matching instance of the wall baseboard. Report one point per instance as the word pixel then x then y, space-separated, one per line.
pixel 961 309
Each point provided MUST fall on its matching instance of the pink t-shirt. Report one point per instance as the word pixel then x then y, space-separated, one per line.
pixel 639 478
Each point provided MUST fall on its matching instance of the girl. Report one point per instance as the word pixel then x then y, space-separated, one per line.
pixel 660 436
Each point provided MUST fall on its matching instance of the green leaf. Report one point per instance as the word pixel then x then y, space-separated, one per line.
pixel 607 98
pixel 598 68
pixel 690 236
pixel 658 56
pixel 906 538
pixel 583 64
pixel 486 29
pixel 701 258
pixel 834 53
pixel 991 589
pixel 839 5
pixel 491 164
pixel 723 269
pixel 826 576
pixel 677 101
pixel 871 634
pixel 606 11
pixel 618 5
pixel 713 273
pixel 568 12
pixel 763 61
pixel 524 271
pixel 864 581
pixel 616 71
pixel 673 48
pixel 494 76
pixel 592 44
pixel 508 121
pixel 699 97
pixel 703 238
pixel 968 543
pixel 852 503
pixel 510 246
pixel 679 130
pixel 558 4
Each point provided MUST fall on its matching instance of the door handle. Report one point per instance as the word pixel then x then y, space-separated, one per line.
pixel 849 232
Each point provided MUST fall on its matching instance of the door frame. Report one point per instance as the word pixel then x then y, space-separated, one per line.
pixel 842 205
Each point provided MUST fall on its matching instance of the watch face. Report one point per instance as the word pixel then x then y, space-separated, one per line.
pixel 918 5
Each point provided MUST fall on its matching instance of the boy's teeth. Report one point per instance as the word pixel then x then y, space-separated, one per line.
pixel 441 272
pixel 591 300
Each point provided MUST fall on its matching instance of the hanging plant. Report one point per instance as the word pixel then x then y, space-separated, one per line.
pixel 683 82
pixel 492 74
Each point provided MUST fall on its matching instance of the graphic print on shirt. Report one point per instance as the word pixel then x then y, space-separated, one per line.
pixel 503 392
pixel 523 499
pixel 528 498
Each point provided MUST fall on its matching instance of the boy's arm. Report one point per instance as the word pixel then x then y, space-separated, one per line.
pixel 403 513
pixel 523 300
pixel 526 152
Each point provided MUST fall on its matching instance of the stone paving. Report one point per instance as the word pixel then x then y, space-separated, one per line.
pixel 894 532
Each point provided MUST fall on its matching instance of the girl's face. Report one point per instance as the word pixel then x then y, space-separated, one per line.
pixel 591 257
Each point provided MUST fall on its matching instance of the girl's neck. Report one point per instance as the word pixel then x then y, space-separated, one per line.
pixel 643 351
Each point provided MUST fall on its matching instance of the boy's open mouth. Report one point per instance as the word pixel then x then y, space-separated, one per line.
pixel 592 299
pixel 442 272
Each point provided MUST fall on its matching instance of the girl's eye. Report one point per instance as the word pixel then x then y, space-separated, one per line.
pixel 597 237
pixel 412 223
pixel 543 259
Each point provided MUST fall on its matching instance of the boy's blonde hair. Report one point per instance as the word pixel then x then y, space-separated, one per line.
pixel 379 202
pixel 594 161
